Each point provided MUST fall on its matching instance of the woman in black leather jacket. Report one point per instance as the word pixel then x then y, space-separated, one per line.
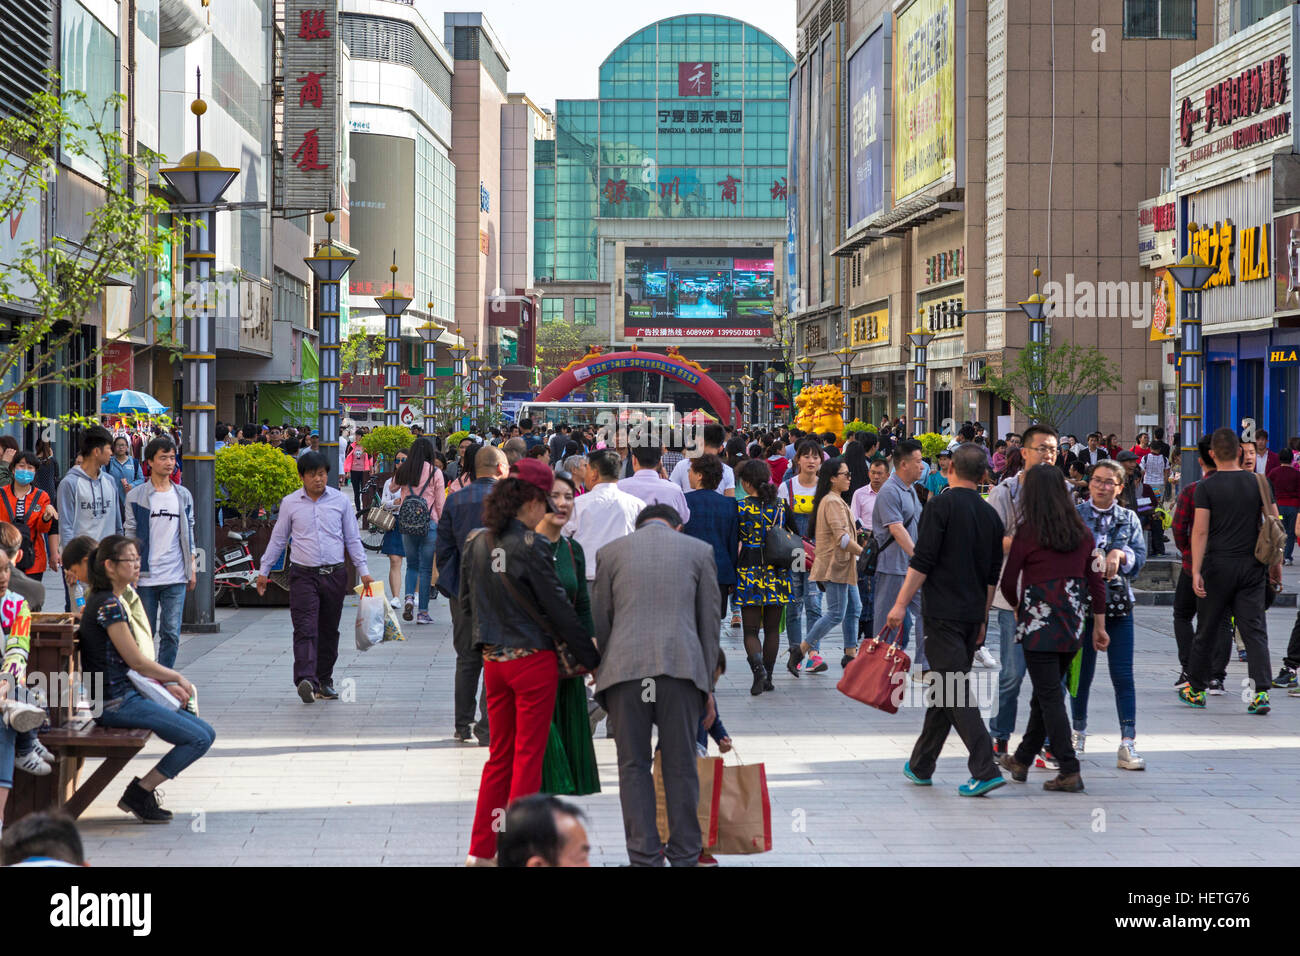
pixel 517 607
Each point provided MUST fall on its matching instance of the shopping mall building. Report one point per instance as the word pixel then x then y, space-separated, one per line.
pixel 660 209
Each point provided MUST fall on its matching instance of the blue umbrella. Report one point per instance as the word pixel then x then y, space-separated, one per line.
pixel 127 400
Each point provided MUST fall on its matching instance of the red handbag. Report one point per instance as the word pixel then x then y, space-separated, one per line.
pixel 877 676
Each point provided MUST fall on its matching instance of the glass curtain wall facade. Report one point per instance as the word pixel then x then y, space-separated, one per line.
pixel 435 219
pixel 692 123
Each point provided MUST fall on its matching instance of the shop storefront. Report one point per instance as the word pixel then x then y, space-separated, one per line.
pixel 1231 147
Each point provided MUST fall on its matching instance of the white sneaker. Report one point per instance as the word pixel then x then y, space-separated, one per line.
pixel 394 603
pixel 45 754
pixel 1128 758
pixel 33 764
pixel 21 717
pixel 984 659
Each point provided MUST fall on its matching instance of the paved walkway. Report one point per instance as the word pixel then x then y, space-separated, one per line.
pixel 377 778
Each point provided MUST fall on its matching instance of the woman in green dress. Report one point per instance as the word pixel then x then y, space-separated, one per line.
pixel 569 766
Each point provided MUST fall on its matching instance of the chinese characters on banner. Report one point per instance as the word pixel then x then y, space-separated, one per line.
pixel 311 68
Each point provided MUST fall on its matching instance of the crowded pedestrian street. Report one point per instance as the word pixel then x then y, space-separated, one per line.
pixel 378 779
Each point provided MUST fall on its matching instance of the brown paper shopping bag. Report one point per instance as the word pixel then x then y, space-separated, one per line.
pixel 744 811
pixel 710 772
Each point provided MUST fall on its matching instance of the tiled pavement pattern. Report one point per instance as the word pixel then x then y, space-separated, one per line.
pixel 379 780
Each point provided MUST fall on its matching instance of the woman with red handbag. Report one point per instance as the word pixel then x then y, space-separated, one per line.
pixel 1052 558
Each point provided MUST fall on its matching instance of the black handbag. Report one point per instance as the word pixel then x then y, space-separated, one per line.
pixel 782 548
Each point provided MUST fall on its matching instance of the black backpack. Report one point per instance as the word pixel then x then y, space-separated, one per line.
pixel 413 516
pixel 28 558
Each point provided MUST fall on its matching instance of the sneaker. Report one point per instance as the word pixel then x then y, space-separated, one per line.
pixel 707 859
pixel 977 788
pixel 143 804
pixel 999 748
pixel 306 691
pixel 408 608
pixel 1192 698
pixel 984 659
pixel 21 717
pixel 394 603
pixel 1293 692
pixel 735 619
pixel 424 618
pixel 462 735
pixel 1214 688
pixel 1128 758
pixel 45 754
pixel 1259 705
pixel 32 763
pixel 1079 738
pixel 814 664
pixel 1182 679
pixel 1286 677
pixel 1046 761
pixel 1241 655
pixel 919 781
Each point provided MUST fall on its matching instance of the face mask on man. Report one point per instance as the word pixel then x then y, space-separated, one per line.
pixel 24 477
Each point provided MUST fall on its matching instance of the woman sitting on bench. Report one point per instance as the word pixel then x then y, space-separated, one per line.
pixel 108 651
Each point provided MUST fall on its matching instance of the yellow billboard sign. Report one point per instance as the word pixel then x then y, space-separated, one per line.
pixel 1163 311
pixel 869 328
pixel 925 95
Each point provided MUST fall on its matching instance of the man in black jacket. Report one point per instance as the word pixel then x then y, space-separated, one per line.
pixel 462 513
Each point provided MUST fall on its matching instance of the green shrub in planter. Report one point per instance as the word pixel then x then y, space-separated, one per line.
pixel 385 442
pixel 254 477
pixel 932 444
pixel 857 427
pixel 455 438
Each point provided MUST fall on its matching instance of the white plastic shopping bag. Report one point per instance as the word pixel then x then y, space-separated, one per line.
pixel 370 614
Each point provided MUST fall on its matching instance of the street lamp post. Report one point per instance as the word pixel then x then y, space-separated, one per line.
pixel 392 304
pixel 475 363
pixel 329 265
pixel 1191 274
pixel 430 374
pixel 806 367
pixel 846 356
pixel 499 381
pixel 458 391
pixel 769 387
pixel 920 338
pixel 747 383
pixel 200 180
pixel 1035 307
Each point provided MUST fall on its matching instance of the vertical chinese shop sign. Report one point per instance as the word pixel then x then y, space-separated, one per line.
pixel 311 74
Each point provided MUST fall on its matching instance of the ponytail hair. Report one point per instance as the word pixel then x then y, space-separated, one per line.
pixel 758 475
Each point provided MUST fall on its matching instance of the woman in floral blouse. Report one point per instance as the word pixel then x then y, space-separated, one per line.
pixel 1052 558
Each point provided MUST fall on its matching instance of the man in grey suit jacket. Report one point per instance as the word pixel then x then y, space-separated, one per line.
pixel 656 613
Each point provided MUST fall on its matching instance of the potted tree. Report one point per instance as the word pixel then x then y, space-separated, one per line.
pixel 252 480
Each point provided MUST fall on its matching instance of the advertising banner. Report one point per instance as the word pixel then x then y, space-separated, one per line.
pixel 925 95
pixel 383 216
pixel 866 145
pixel 792 201
pixel 1286 270
pixel 311 104
pixel 1158 231
pixel 703 294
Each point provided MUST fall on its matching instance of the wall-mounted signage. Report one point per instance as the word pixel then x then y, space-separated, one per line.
pixel 925 93
pixel 1158 231
pixel 1234 253
pixel 869 328
pixel 945 266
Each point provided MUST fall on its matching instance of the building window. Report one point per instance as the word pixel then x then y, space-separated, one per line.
pixel 552 311
pixel 1160 19
pixel 584 311
pixel 89 63
pixel 1248 12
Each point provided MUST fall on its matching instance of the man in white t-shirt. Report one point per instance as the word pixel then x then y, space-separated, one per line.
pixel 711 444
pixel 160 515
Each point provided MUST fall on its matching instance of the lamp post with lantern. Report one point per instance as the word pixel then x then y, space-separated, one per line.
pixel 920 337
pixel 430 373
pixel 329 265
pixel 392 304
pixel 1191 273
pixel 747 383
pixel 200 180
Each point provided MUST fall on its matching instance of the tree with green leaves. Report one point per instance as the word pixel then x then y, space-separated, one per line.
pixel 360 350
pixel 63 279
pixel 558 344
pixel 252 478
pixel 1047 382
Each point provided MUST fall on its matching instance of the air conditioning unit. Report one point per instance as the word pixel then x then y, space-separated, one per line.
pixel 975 371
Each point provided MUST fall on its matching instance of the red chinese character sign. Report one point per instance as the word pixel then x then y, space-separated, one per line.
pixel 694 79
pixel 311 123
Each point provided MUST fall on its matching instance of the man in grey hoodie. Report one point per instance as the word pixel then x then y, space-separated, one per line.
pixel 87 498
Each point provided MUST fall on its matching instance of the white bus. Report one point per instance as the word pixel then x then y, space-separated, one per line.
pixel 616 418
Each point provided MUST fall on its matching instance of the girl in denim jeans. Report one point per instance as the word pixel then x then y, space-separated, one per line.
pixel 109 649
pixel 1122 550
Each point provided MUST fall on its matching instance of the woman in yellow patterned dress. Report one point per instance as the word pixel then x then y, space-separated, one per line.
pixel 761 591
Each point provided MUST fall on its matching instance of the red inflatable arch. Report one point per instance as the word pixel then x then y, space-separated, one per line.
pixel 672 365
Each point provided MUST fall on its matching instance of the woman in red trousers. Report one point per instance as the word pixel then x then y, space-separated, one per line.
pixel 516 608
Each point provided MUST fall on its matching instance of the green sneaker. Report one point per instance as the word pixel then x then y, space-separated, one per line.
pixel 1293 692
pixel 1192 698
pixel 1260 704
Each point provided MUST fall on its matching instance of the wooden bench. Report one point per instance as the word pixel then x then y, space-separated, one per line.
pixel 74 739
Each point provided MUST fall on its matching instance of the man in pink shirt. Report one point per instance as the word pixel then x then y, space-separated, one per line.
pixel 862 505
